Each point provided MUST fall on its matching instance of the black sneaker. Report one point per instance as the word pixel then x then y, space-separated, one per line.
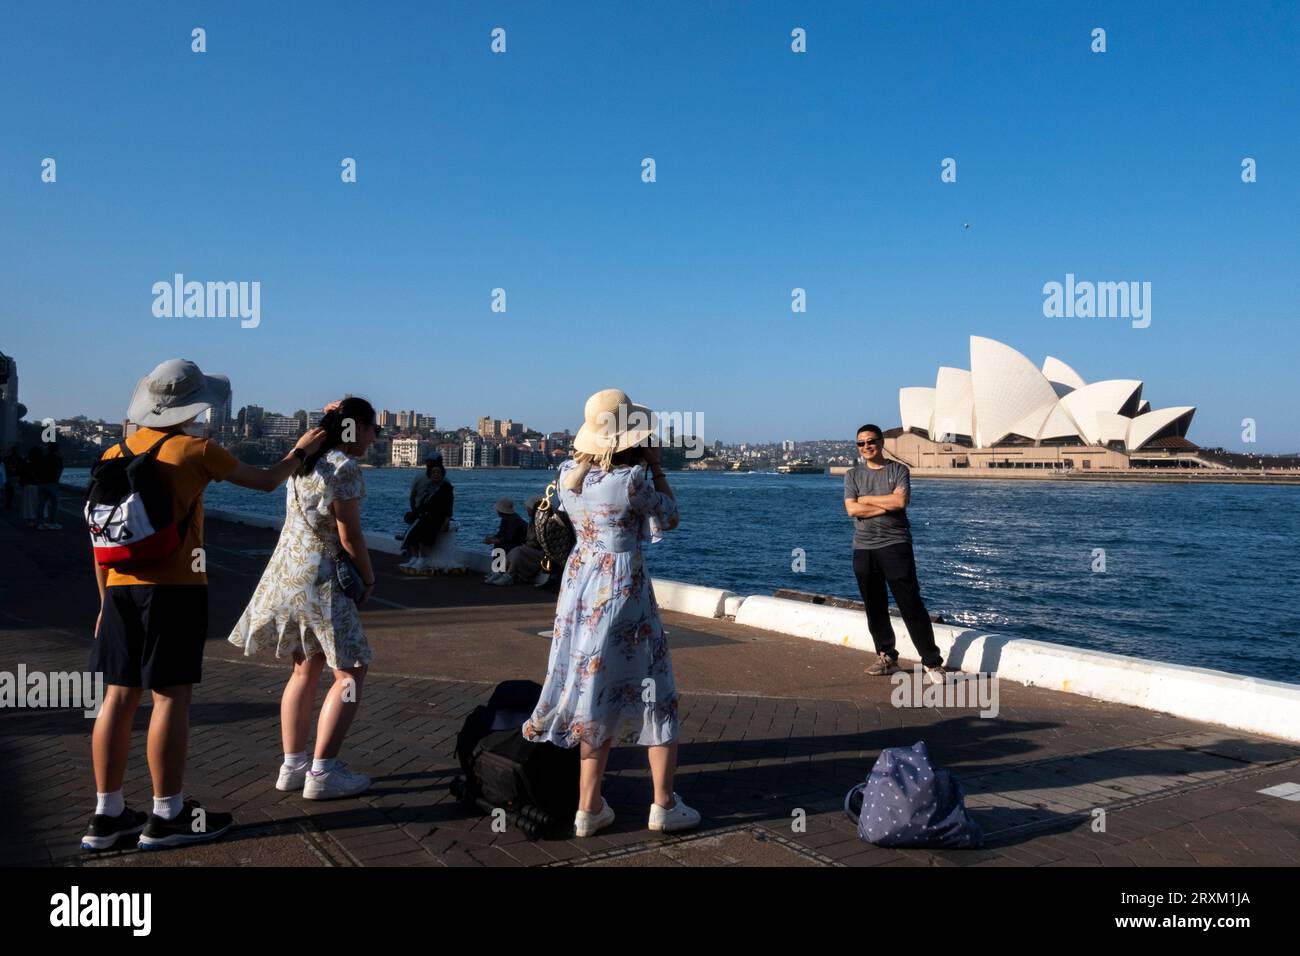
pixel 104 831
pixel 192 825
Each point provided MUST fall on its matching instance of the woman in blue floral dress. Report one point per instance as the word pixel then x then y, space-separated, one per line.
pixel 610 674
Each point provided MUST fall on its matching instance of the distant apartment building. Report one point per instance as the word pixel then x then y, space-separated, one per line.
pixel 469 451
pixel 250 416
pixel 386 420
pixel 488 455
pixel 221 415
pixel 426 423
pixel 408 452
pixel 451 453
pixel 487 427
pixel 280 426
pixel 314 419
pixel 508 455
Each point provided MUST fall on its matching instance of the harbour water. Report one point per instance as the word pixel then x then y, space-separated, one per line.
pixel 1203 575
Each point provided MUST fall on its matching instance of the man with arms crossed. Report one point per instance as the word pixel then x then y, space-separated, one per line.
pixel 876 493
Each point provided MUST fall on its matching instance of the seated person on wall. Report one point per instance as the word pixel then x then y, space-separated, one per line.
pixel 524 561
pixel 432 501
pixel 510 533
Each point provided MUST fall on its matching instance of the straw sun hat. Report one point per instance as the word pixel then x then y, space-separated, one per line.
pixel 612 422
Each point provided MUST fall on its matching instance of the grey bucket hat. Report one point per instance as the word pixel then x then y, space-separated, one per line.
pixel 175 392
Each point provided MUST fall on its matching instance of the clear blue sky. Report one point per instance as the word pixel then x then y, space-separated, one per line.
pixel 775 170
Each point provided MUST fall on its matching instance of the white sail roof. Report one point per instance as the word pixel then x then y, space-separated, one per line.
pixel 917 408
pixel 1005 394
pixel 954 402
pixel 1008 389
pixel 1057 372
pixel 1108 396
pixel 1143 428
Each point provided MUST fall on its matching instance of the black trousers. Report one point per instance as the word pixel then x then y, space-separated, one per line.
pixel 894 565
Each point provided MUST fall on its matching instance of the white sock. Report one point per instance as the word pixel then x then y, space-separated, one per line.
pixel 109 804
pixel 169 808
pixel 323 764
pixel 296 761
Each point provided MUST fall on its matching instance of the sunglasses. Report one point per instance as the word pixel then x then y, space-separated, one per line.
pixel 869 441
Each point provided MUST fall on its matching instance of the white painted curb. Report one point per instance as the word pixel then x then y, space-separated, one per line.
pixel 690 598
pixel 1229 700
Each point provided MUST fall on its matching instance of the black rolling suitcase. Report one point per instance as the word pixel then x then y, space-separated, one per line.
pixel 535 784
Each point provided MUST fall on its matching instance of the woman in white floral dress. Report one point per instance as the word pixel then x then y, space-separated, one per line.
pixel 609 663
pixel 298 609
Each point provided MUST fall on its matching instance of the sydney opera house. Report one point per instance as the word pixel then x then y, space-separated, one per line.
pixel 1005 412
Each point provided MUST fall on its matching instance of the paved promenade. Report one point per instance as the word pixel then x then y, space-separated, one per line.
pixel 775 729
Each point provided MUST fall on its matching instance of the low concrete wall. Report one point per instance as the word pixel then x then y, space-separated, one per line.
pixel 1197 693
pixel 691 598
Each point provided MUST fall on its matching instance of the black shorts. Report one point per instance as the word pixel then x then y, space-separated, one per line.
pixel 152 635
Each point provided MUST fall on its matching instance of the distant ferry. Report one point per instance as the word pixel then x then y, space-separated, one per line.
pixel 801 466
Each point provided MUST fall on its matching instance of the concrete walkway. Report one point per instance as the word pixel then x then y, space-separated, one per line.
pixel 774 731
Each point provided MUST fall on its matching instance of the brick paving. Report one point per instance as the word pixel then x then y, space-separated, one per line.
pixel 774 731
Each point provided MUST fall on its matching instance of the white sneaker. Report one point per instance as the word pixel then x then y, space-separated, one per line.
pixel 937 674
pixel 333 784
pixel 586 824
pixel 292 779
pixel 680 817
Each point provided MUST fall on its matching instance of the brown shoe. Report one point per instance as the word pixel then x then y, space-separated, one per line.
pixel 883 667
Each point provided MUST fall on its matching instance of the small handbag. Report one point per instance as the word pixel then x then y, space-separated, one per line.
pixel 554 532
pixel 346 574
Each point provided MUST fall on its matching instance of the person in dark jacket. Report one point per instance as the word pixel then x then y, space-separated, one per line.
pixel 13 467
pixel 47 490
pixel 432 502
pixel 29 479
pixel 524 561
pixel 509 535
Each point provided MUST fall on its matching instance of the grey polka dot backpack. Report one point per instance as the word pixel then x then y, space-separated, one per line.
pixel 906 802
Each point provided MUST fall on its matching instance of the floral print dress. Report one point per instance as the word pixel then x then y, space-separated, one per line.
pixel 609 664
pixel 297 605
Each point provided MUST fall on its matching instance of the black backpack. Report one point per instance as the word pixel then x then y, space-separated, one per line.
pixel 129 510
pixel 536 784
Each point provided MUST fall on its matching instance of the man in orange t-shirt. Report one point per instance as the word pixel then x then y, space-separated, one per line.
pixel 153 620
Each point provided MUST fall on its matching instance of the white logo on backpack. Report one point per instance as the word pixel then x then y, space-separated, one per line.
pixel 113 526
